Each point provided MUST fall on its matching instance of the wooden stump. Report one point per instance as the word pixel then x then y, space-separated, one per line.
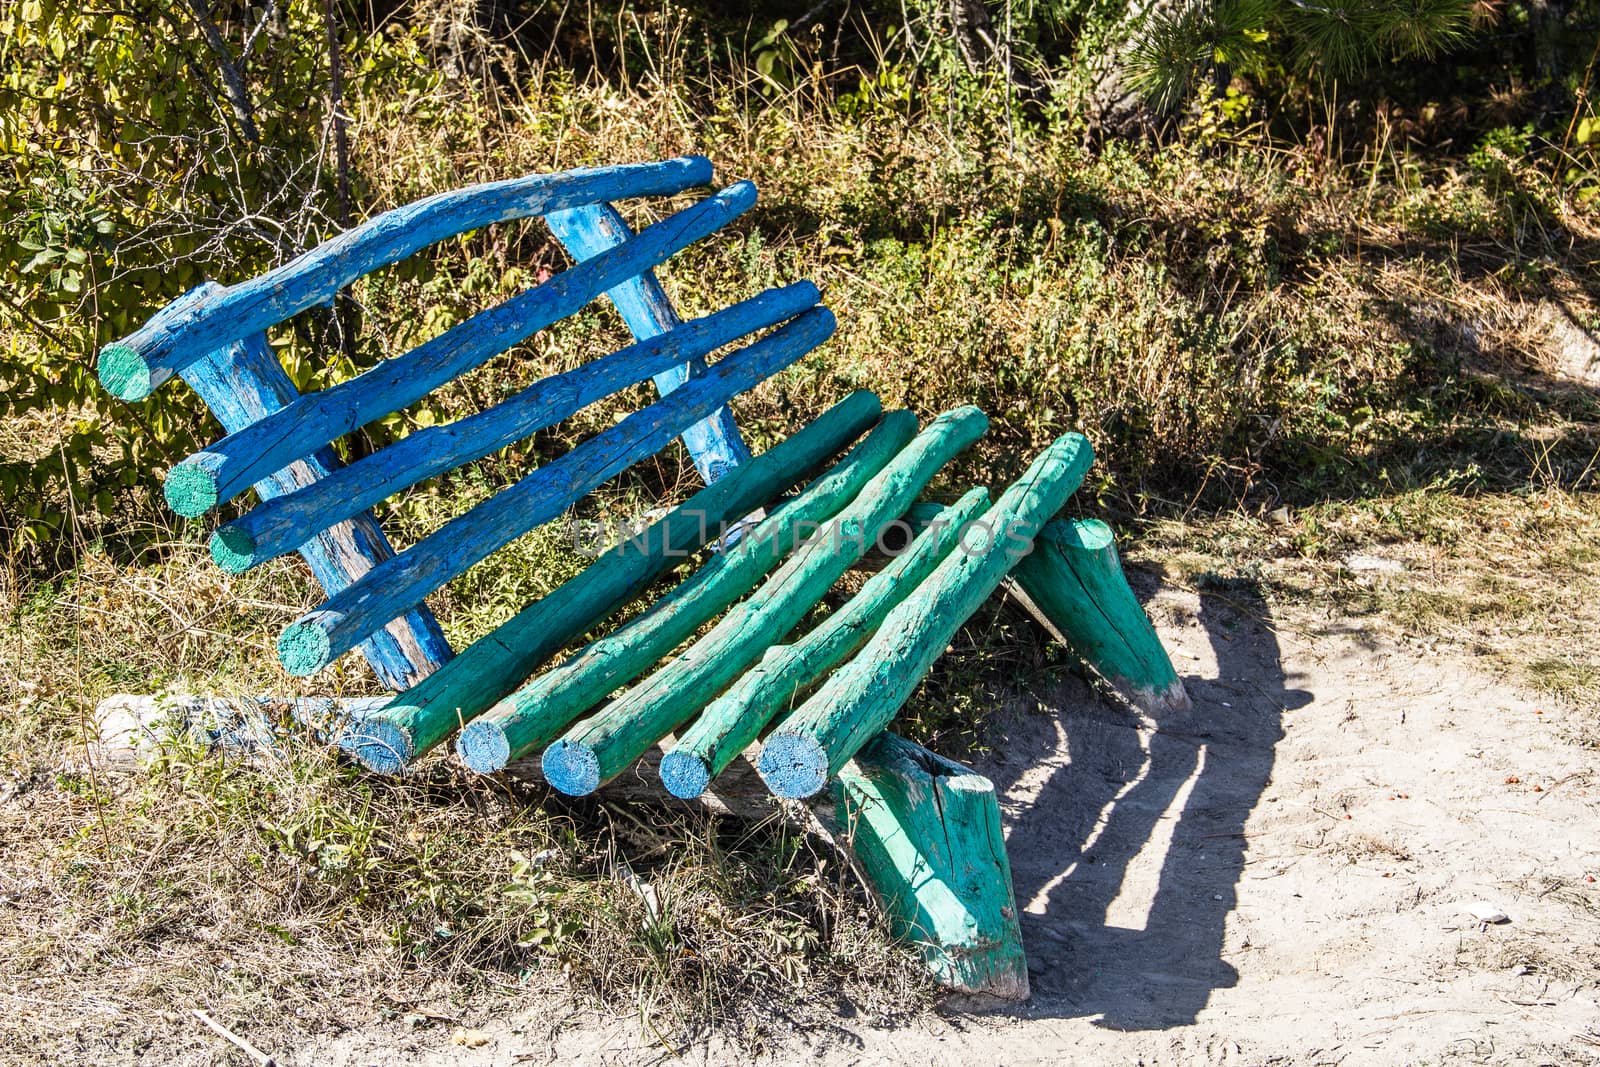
pixel 924 832
pixel 1073 584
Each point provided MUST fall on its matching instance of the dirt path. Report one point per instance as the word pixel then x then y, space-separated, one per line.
pixel 1276 877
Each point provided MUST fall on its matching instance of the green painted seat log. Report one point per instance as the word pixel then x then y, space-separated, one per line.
pixel 811 743
pixel 1073 582
pixel 610 740
pixel 729 724
pixel 925 833
pixel 531 716
pixel 496 664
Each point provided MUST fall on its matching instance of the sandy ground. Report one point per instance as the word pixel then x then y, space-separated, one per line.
pixel 1279 876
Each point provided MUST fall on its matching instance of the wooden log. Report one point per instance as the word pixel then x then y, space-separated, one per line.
pixel 399 584
pixel 925 834
pixel 281 525
pixel 1073 583
pixel 138 364
pixel 612 738
pixel 811 743
pixel 496 664
pixel 733 721
pixel 244 382
pixel 531 716
pixel 226 468
pixel 714 442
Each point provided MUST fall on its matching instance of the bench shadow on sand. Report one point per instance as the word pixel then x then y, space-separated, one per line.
pixel 1127 842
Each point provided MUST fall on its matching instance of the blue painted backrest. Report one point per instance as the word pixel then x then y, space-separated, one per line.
pixel 278 440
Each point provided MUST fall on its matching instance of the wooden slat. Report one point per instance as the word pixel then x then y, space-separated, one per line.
pixel 497 663
pixel 612 738
pixel 714 442
pixel 810 744
pixel 534 714
pixel 733 721
pixel 284 523
pixel 243 382
pixel 398 585
pixel 137 365
pixel 227 467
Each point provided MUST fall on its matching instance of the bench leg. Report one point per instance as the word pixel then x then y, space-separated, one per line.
pixel 924 833
pixel 1073 583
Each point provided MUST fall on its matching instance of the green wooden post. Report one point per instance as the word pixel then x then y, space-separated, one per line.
pixel 493 666
pixel 811 743
pixel 925 834
pixel 535 713
pixel 1073 583
pixel 605 743
pixel 731 722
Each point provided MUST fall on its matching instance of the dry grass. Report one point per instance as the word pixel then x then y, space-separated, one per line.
pixel 1280 366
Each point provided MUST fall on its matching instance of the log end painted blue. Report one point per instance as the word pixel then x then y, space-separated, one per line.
pixel 793 766
pixel 571 768
pixel 685 775
pixel 380 746
pixel 483 747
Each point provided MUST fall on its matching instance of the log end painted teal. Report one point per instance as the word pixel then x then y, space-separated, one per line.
pixel 483 746
pixel 303 648
pixel 793 765
pixel 124 372
pixel 379 745
pixel 190 489
pixel 232 549
pixel 571 767
pixel 1091 535
pixel 684 774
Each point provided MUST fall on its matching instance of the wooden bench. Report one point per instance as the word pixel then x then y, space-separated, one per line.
pixel 924 831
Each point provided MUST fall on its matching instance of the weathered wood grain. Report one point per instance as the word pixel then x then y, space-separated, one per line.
pixel 925 833
pixel 399 584
pixel 227 467
pixel 714 442
pixel 810 744
pixel 733 721
pixel 497 663
pixel 281 525
pixel 612 738
pixel 534 714
pixel 243 382
pixel 138 364
pixel 1074 585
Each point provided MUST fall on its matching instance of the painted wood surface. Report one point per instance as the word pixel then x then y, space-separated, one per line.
pixel 284 523
pixel 714 442
pixel 1073 582
pixel 226 468
pixel 810 744
pixel 539 711
pixel 925 834
pixel 496 664
pixel 138 364
pixel 612 738
pixel 242 383
pixel 733 721
pixel 399 584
